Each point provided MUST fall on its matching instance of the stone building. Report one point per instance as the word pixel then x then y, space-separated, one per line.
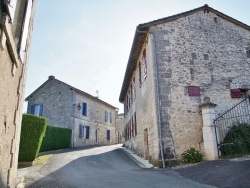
pixel 16 25
pixel 174 63
pixel 92 120
pixel 120 128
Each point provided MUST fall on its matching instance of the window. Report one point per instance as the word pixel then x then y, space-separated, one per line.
pixel 106 116
pixel 25 29
pixel 11 6
pixel 131 94
pixel 135 124
pixel 108 134
pixel 248 53
pixel 110 117
pixel 36 109
pixel 194 91
pixel 144 64
pixel 140 73
pixel 134 88
pixel 84 109
pixel 239 93
pixel 84 132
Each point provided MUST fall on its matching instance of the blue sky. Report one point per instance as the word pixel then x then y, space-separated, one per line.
pixel 86 43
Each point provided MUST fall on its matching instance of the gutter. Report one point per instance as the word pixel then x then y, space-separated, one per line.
pixel 158 91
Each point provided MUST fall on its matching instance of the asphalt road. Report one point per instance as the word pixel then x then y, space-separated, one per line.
pixel 106 166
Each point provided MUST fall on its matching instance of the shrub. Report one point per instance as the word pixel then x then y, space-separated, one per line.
pixel 191 156
pixel 32 133
pixel 237 141
pixel 56 138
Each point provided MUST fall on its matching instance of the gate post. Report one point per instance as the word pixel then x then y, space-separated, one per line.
pixel 209 134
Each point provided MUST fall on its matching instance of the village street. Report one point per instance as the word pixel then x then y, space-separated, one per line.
pixel 106 166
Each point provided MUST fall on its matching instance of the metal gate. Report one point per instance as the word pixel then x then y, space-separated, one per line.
pixel 238 114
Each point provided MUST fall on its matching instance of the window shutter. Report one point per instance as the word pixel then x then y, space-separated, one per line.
pixel 110 119
pixel 140 73
pixel 108 134
pixel 87 132
pixel 235 93
pixel 41 110
pixel 194 91
pixel 25 30
pixel 80 131
pixel 32 109
pixel 11 6
pixel 135 124
pixel 84 109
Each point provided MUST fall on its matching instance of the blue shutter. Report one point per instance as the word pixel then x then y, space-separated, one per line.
pixel 108 134
pixel 80 131
pixel 105 116
pixel 41 110
pixel 84 109
pixel 87 132
pixel 32 109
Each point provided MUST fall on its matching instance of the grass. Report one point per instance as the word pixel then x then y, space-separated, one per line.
pixel 41 160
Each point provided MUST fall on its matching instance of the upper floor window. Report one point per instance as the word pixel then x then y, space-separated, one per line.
pixel 140 81
pixel 144 63
pixel 193 91
pixel 84 132
pixel 36 109
pixel 106 116
pixel 239 93
pixel 134 88
pixel 110 117
pixel 84 109
pixel 25 30
pixel 11 7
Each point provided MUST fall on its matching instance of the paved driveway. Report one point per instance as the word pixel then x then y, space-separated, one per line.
pixel 106 166
pixel 220 173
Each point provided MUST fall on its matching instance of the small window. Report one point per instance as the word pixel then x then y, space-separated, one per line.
pixel 84 109
pixel 239 93
pixel 36 109
pixel 11 6
pixel 193 91
pixel 106 116
pixel 140 82
pixel 84 132
pixel 108 134
pixel 144 64
pixel 110 117
pixel 248 53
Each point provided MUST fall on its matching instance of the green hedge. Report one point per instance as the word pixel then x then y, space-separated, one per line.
pixel 237 141
pixel 56 138
pixel 32 133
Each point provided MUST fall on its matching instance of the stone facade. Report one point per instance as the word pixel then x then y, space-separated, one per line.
pixel 119 123
pixel 14 53
pixel 202 48
pixel 62 106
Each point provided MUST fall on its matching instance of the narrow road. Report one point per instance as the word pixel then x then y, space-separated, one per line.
pixel 106 166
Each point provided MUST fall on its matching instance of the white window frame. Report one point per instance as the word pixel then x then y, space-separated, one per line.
pixel 11 6
pixel 25 30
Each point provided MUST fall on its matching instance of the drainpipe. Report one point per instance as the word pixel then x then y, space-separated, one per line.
pixel 158 91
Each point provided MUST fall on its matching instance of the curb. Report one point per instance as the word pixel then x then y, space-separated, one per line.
pixel 138 160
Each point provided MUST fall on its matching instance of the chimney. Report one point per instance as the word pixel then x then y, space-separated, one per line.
pixel 51 77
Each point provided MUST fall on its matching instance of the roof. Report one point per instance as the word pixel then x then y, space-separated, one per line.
pixel 72 88
pixel 140 37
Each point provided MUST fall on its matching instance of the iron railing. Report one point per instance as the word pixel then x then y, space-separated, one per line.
pixel 238 114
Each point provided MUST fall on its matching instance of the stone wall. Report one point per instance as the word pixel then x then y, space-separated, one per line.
pixel 202 50
pixel 144 106
pixel 12 78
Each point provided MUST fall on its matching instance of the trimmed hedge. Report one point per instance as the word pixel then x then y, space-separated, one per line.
pixel 56 138
pixel 32 133
pixel 237 141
